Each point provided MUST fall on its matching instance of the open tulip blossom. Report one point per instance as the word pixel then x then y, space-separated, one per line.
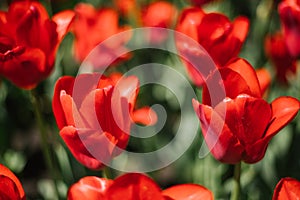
pixel 96 112
pixel 28 42
pixel 240 126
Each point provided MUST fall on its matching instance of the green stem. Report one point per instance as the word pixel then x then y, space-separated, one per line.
pixel 44 138
pixel 42 131
pixel 235 195
pixel 106 173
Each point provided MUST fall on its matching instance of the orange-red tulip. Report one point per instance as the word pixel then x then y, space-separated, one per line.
pixel 287 189
pixel 92 26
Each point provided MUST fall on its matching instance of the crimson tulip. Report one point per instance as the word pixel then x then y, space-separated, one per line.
pixel 10 186
pixel 287 189
pixel 93 26
pixel 276 49
pixel 230 126
pixel 221 38
pixel 29 41
pixel 289 12
pixel 94 114
pixel 134 186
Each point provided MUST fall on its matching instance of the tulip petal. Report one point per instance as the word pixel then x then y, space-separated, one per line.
pixel 284 110
pixel 241 118
pixel 244 68
pixel 78 148
pixel 63 21
pixel 223 144
pixel 134 186
pixel 287 189
pixel 238 77
pixel 89 187
pixel 8 182
pixel 188 192
pixel 189 21
pixel 8 189
pixel 30 66
pixel 65 83
pixel 264 79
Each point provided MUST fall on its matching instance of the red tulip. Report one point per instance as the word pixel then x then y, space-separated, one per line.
pixel 93 26
pixel 277 50
pixel 134 186
pixel 232 131
pixel 289 11
pixel 89 187
pixel 29 41
pixel 287 189
pixel 221 38
pixel 10 186
pixel 94 115
pixel 160 14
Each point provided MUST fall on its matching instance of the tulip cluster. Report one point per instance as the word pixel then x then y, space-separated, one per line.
pixel 96 111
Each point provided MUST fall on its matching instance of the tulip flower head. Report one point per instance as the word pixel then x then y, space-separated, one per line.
pixel 94 115
pixel 92 26
pixel 240 126
pixel 289 12
pixel 29 41
pixel 221 38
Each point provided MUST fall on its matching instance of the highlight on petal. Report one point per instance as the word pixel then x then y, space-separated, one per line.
pixel 284 110
pixel 240 28
pixel 65 83
pixel 188 192
pixel 134 186
pixel 89 187
pixel 287 189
